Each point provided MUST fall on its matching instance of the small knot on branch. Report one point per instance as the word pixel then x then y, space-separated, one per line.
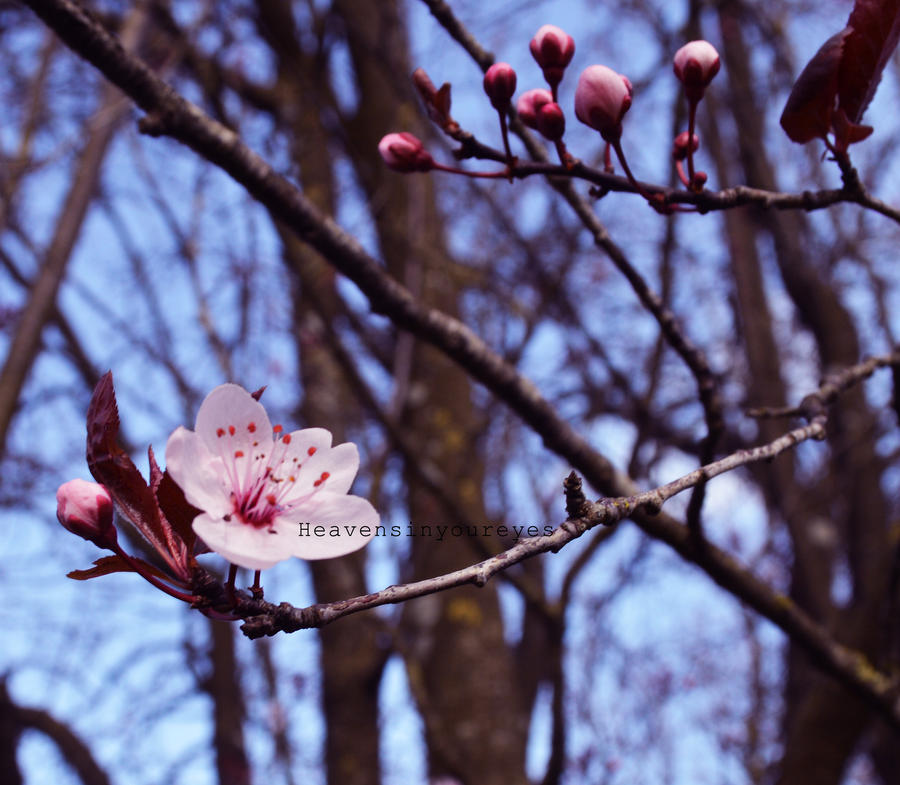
pixel 576 503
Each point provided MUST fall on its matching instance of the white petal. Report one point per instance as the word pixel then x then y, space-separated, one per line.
pixel 341 464
pixel 230 412
pixel 197 472
pixel 242 544
pixel 355 518
pixel 297 452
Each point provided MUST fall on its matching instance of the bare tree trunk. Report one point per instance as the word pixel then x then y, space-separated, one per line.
pixel 112 109
pixel 823 723
pixel 351 661
pixel 224 688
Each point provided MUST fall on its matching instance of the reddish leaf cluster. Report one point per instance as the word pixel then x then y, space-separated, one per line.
pixel 158 510
pixel 832 92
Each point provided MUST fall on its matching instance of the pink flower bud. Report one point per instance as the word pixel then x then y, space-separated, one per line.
pixel 404 152
pixel 86 509
pixel 551 122
pixel 601 100
pixel 530 103
pixel 553 50
pixel 680 146
pixel 500 84
pixel 699 181
pixel 695 65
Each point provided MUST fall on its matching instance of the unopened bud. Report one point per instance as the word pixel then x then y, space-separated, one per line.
pixel 699 181
pixel 553 50
pixel 404 152
pixel 601 100
pixel 551 122
pixel 500 84
pixel 530 103
pixel 680 146
pixel 695 64
pixel 86 509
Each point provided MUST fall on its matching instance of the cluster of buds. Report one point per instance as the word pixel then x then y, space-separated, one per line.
pixel 695 65
pixel 602 98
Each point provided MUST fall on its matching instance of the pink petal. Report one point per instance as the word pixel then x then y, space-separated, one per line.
pixel 349 513
pixel 340 464
pixel 197 472
pixel 244 545
pixel 304 445
pixel 230 412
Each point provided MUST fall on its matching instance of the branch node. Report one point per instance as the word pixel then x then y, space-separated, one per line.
pixel 576 503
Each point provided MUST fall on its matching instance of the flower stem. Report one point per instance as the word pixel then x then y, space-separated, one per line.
pixel 454 170
pixel 692 114
pixel 150 578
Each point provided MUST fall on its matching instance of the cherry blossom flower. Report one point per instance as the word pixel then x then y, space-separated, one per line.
pixel 256 485
pixel 86 509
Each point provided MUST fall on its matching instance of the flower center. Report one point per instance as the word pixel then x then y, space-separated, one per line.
pixel 260 483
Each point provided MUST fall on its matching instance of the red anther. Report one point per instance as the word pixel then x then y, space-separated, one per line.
pixel 238 453
pixel 311 451
pixel 286 438
pixel 231 430
pixel 251 427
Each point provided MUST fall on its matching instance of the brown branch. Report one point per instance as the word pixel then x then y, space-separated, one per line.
pixel 172 115
pixel 73 750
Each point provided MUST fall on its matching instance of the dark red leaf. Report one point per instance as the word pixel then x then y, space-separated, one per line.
pixel 833 91
pixel 112 467
pixel 178 511
pixel 437 101
pixel 105 565
pixel 807 114
pixel 875 26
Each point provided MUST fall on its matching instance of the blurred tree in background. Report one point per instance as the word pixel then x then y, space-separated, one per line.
pixel 616 660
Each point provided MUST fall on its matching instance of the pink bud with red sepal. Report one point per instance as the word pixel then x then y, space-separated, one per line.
pixel 500 84
pixel 551 122
pixel 86 509
pixel 680 149
pixel 601 100
pixel 553 50
pixel 695 64
pixel 404 152
pixel 530 103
